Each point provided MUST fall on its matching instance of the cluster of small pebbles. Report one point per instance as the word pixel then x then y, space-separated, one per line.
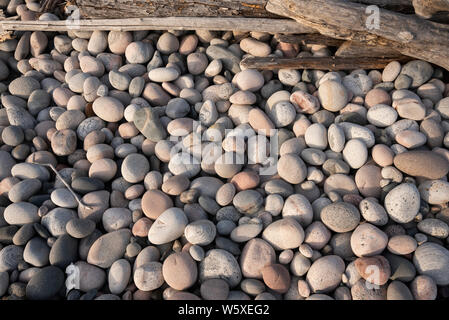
pixel 164 189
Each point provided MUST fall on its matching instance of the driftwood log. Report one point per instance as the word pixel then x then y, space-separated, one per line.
pixel 162 8
pixel 319 63
pixel 308 38
pixel 272 26
pixel 200 8
pixel 409 35
pixel 358 49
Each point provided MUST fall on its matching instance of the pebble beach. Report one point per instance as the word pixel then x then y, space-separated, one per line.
pixel 150 165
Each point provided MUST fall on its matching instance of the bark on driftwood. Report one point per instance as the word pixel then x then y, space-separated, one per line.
pixel 162 8
pixel 309 38
pixel 358 49
pixel 318 63
pixel 410 35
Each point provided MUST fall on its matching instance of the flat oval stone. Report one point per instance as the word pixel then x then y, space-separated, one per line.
pixel 30 171
pixel 245 232
pixel 109 248
pixel 381 115
pixel 292 168
pixel 225 194
pixel 303 101
pixel 64 251
pixel 256 254
pixel 325 274
pixel 62 197
pixel 207 186
pixel 10 257
pixel 23 87
pixel 432 191
pixel 340 183
pixel 368 179
pixel 434 227
pixel 333 95
pixel 355 153
pixel 277 278
pixel 411 139
pixel 249 80
pixel 24 234
pixel 119 275
pixel 45 284
pixel 154 203
pixel 200 232
pixel 423 288
pixel 432 260
pixel 108 109
pixel 368 240
pixel 85 185
pixel 21 213
pixel 134 167
pixel 366 266
pixel 155 94
pixel 317 235
pixel 180 271
pixel 23 190
pixel 116 218
pixel 163 74
pixel 284 234
pixel 80 228
pixel 373 212
pixel 402 203
pixel 397 290
pixel 316 136
pixel 340 217
pixel 221 264
pixel 248 201
pixel 402 244
pixel 299 208
pixel 260 122
pixel 149 276
pixel 168 226
pixel 36 252
pixel 416 164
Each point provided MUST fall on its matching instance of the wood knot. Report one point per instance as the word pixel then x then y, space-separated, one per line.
pixel 406 36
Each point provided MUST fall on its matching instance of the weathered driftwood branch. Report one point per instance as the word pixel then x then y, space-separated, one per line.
pixel 173 23
pixel 309 38
pixel 427 8
pixel 358 49
pixel 318 63
pixel 163 8
pixel 196 8
pixel 410 35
